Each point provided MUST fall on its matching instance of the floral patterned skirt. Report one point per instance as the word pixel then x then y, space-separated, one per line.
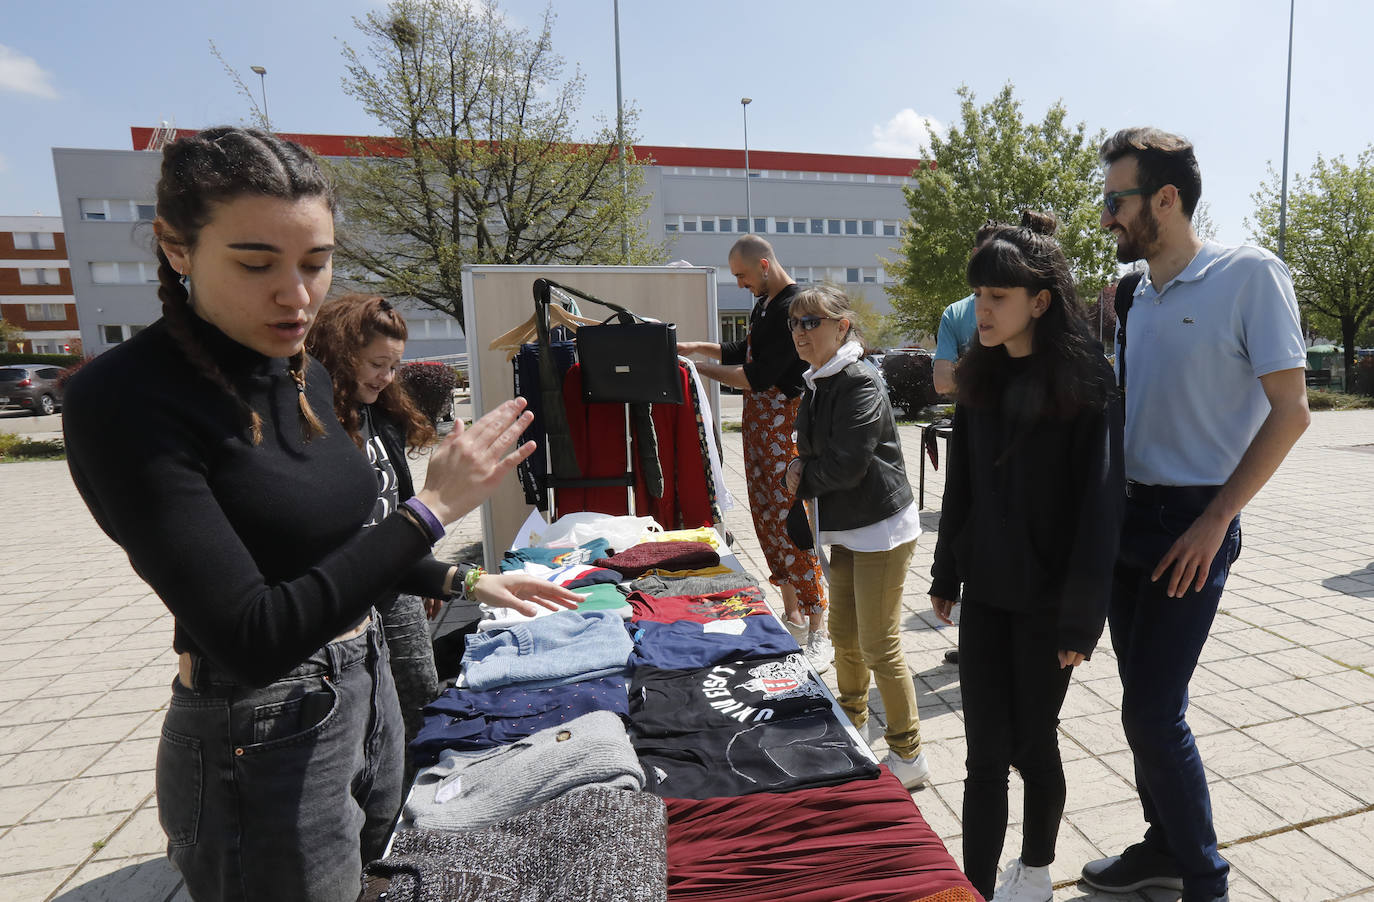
pixel 768 423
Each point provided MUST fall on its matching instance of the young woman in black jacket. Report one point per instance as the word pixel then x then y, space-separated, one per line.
pixel 199 447
pixel 1028 531
pixel 850 461
pixel 360 339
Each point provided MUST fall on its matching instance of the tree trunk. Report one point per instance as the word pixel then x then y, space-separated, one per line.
pixel 1348 327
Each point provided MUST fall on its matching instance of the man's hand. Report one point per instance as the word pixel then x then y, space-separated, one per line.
pixel 943 608
pixel 793 475
pixel 1192 554
pixel 1069 658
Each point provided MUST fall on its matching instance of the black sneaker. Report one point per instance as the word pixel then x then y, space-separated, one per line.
pixel 1136 868
pixel 952 656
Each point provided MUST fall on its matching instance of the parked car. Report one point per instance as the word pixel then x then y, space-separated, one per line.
pixel 30 386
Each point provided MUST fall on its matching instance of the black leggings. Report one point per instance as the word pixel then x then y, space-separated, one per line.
pixel 1012 688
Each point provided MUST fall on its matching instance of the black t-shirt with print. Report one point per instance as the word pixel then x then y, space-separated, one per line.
pixel 728 694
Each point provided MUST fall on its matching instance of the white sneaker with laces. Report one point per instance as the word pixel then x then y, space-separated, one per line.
pixel 1022 883
pixel 819 651
pixel 911 771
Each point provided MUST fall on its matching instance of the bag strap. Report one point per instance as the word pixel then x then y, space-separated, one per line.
pixel 1125 297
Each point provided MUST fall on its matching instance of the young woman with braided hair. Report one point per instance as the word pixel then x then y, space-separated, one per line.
pixel 1028 533
pixel 199 448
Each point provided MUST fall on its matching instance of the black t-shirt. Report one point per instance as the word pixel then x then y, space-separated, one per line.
pixel 775 756
pixel 769 357
pixel 731 693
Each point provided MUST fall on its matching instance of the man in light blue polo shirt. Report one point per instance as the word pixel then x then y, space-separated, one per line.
pixel 1215 399
pixel 958 326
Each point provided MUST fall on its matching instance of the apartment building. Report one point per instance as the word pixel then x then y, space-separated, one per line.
pixel 830 217
pixel 36 286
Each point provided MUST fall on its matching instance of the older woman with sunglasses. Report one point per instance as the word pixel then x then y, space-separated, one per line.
pixel 850 463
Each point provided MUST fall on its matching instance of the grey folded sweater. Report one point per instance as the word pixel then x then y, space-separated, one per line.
pixel 589 845
pixel 472 790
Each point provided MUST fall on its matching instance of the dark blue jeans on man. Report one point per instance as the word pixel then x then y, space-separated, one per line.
pixel 283 792
pixel 1157 640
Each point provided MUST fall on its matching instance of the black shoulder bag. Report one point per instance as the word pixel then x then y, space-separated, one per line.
pixel 1125 296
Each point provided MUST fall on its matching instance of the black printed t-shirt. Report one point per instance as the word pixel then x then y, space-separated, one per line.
pixel 729 694
pixel 773 756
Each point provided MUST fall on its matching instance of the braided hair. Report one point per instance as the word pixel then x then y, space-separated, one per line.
pixel 212 167
pixel 1066 369
pixel 342 329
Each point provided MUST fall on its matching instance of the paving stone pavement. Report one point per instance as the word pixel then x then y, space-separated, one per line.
pixel 1283 701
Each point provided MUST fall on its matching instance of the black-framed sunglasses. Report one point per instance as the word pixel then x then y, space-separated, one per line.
pixel 1111 200
pixel 805 323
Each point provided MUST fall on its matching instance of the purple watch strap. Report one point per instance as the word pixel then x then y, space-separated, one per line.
pixel 417 507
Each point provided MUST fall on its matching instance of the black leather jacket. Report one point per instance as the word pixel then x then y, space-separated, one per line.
pixel 851 454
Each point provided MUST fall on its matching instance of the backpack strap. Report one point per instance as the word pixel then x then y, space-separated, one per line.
pixel 1125 296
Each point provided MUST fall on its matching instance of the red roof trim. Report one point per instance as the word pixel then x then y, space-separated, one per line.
pixel 702 157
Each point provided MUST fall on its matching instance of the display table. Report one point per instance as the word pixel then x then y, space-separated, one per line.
pixel 862 839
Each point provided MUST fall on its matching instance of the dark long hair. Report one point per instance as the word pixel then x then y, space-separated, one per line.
pixel 1066 371
pixel 212 167
pixel 343 328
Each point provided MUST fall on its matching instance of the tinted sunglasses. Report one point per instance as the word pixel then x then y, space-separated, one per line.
pixel 1112 199
pixel 805 323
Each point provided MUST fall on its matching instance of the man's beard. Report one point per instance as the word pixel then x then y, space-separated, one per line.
pixel 1139 239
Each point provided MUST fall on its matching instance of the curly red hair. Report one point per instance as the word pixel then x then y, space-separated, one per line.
pixel 343 328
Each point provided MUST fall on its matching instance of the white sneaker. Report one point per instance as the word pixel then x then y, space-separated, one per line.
pixel 799 631
pixel 911 771
pixel 819 651
pixel 1022 883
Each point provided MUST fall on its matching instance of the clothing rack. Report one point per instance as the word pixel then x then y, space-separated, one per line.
pixel 560 456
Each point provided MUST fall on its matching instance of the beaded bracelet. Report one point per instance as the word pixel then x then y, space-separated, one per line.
pixel 470 581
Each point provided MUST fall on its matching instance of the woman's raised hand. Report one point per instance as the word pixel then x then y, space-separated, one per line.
pixel 469 464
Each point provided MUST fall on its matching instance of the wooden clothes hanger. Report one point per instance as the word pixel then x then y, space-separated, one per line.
pixel 526 332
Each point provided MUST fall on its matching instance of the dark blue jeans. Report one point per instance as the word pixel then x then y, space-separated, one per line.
pixel 283 792
pixel 1157 640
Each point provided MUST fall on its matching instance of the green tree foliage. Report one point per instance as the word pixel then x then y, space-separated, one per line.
pixel 490 169
pixel 993 165
pixel 1329 243
pixel 9 333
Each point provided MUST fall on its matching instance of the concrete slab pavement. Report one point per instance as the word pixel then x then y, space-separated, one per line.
pixel 1283 700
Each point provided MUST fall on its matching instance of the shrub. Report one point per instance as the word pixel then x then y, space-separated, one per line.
pixel 1363 382
pixel 17 447
pixel 70 371
pixel 430 386
pixel 910 381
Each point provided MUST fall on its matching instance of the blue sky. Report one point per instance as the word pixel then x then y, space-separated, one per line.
pixel 825 76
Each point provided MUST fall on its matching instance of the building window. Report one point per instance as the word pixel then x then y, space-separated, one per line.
pixel 733 326
pixel 689 225
pixel 708 225
pixel 34 241
pixel 113 334
pixel 889 230
pixel 727 225
pixel 43 276
pixel 833 226
pixel 867 226
pixel 123 273
pixel 45 313
pixel 781 226
pixel 99 209
pixel 851 274
pixel 851 227
pixel 818 227
pixel 670 227
pixel 760 224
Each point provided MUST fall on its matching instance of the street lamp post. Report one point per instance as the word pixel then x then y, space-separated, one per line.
pixel 748 207
pixel 620 150
pixel 262 80
pixel 1287 104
